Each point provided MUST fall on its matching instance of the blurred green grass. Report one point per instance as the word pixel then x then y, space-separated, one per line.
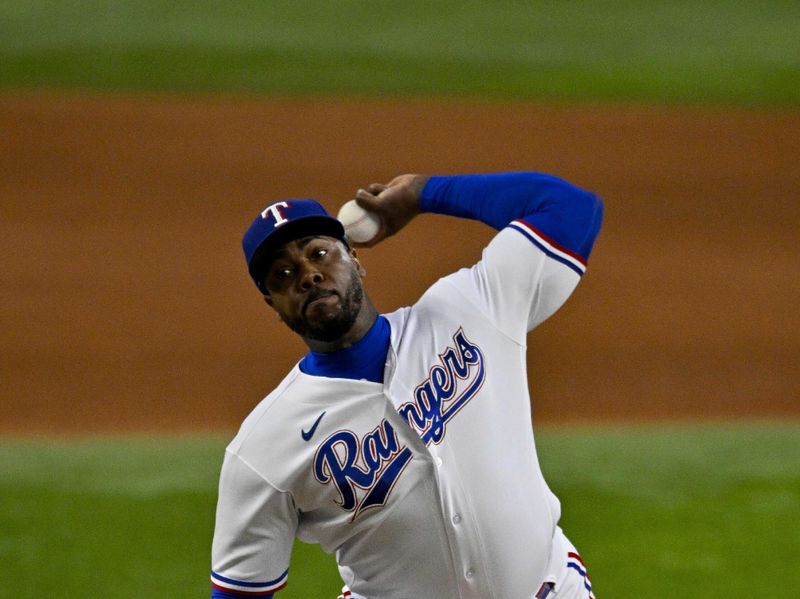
pixel 720 51
pixel 694 510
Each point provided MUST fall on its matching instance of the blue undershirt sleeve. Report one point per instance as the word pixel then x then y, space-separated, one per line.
pixel 561 212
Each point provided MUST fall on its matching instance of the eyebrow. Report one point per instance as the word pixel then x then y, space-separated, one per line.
pixel 301 242
pixel 304 241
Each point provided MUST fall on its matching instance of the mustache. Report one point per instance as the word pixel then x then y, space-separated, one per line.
pixel 316 293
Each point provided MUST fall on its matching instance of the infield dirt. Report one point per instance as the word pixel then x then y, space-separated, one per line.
pixel 126 304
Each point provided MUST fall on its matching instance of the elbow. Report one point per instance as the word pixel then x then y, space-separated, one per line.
pixel 592 221
pixel 597 207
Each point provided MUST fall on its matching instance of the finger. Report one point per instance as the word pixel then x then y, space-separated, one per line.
pixel 376 188
pixel 367 200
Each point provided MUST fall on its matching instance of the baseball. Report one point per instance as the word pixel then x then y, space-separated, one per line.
pixel 359 224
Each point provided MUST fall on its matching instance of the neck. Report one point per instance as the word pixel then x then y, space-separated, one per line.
pixel 364 321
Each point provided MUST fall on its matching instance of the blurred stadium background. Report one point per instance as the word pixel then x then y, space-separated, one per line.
pixel 138 138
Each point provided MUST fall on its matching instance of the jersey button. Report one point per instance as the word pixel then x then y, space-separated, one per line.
pixel 438 461
pixel 457 519
pixel 469 573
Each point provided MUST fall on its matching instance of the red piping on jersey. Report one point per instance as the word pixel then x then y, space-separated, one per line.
pixel 560 248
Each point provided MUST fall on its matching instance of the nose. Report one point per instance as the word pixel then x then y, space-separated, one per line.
pixel 311 278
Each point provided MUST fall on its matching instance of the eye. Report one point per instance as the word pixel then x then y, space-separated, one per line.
pixel 282 273
pixel 319 253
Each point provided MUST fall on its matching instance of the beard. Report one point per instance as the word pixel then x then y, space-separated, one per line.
pixel 336 325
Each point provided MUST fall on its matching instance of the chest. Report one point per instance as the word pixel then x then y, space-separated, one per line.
pixel 440 388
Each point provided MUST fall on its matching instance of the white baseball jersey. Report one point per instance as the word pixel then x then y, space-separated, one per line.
pixel 428 485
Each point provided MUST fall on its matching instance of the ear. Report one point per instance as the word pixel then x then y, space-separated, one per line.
pixel 361 270
pixel 268 300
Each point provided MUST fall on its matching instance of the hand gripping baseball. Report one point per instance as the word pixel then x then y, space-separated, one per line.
pixel 394 203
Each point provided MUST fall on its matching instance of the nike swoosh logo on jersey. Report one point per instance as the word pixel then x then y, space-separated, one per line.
pixel 307 435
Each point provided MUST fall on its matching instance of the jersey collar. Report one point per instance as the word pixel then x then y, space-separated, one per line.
pixel 364 360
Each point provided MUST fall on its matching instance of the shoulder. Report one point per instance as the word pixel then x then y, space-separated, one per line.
pixel 267 413
pixel 269 440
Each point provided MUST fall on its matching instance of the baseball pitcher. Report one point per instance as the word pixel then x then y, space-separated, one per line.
pixel 402 442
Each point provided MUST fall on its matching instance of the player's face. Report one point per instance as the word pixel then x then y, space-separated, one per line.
pixel 314 284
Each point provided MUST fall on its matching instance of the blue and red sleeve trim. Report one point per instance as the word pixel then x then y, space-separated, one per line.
pixel 575 562
pixel 230 588
pixel 220 594
pixel 552 249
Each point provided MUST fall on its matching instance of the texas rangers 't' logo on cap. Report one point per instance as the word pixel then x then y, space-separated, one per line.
pixel 274 211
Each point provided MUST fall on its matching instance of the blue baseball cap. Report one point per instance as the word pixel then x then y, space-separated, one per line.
pixel 280 223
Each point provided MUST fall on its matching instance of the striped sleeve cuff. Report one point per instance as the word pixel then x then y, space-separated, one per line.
pixel 575 562
pixel 555 251
pixel 218 594
pixel 248 589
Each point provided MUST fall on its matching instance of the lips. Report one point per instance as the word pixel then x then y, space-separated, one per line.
pixel 315 295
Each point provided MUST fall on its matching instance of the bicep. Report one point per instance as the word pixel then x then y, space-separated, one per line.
pixel 517 284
